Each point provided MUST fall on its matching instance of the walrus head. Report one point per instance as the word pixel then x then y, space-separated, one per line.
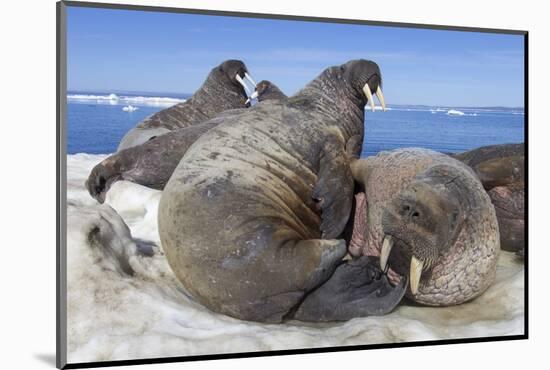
pixel 100 181
pixel 236 73
pixel 266 90
pixel 423 222
pixel 428 218
pixel 365 78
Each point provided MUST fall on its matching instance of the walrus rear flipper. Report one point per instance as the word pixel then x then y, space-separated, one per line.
pixel 357 288
pixel 334 188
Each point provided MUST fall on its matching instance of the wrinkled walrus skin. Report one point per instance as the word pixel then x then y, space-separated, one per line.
pixel 501 169
pixel 249 218
pixel 424 204
pixel 151 164
pixel 219 92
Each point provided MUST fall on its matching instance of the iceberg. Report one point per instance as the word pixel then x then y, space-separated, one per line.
pixel 129 108
pixel 453 112
pixel 124 302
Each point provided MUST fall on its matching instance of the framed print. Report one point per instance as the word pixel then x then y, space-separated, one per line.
pixel 235 184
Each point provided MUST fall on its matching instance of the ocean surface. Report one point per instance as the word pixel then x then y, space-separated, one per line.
pixel 98 120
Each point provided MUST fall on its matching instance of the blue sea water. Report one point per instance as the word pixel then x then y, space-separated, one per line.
pixel 96 122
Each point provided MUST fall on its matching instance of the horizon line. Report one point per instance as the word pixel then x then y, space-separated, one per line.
pixel 389 105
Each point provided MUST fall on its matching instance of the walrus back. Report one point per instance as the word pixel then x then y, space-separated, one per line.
pixel 234 210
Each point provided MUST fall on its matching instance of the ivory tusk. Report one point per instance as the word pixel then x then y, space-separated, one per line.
pixel 385 251
pixel 366 90
pixel 415 274
pixel 240 80
pixel 247 76
pixel 380 97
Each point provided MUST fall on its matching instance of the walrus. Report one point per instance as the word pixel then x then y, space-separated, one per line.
pixel 250 219
pixel 428 217
pixel 267 90
pixel 151 164
pixel 223 89
pixel 501 169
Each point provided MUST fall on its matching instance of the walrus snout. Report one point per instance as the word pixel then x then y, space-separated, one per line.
pixel 366 78
pixel 236 71
pixel 421 222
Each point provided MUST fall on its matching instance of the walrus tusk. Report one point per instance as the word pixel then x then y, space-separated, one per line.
pixel 240 80
pixel 253 96
pixel 366 90
pixel 247 76
pixel 380 97
pixel 415 274
pixel 385 251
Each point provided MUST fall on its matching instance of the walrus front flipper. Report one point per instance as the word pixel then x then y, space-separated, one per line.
pixel 334 188
pixel 357 288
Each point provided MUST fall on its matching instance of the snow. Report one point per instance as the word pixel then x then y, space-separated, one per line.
pixel 124 302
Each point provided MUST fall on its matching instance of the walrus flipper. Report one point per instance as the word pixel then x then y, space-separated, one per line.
pixel 357 288
pixel 334 188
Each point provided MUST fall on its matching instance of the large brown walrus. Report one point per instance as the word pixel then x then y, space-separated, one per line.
pixel 501 169
pixel 250 218
pixel 428 218
pixel 151 164
pixel 223 89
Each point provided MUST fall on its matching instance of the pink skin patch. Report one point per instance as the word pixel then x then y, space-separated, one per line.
pixel 358 236
pixel 358 240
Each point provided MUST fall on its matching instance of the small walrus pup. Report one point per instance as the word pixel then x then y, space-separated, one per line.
pixel 250 219
pixel 151 164
pixel 428 218
pixel 223 89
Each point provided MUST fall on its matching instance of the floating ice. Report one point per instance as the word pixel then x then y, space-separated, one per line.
pixel 124 302
pixel 139 100
pixel 378 107
pixel 453 112
pixel 129 108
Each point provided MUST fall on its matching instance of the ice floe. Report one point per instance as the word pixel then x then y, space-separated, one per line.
pixel 125 99
pixel 129 108
pixel 124 302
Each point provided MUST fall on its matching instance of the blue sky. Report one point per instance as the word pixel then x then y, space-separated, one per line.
pixel 170 52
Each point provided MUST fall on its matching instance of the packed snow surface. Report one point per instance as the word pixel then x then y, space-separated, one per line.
pixel 124 302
